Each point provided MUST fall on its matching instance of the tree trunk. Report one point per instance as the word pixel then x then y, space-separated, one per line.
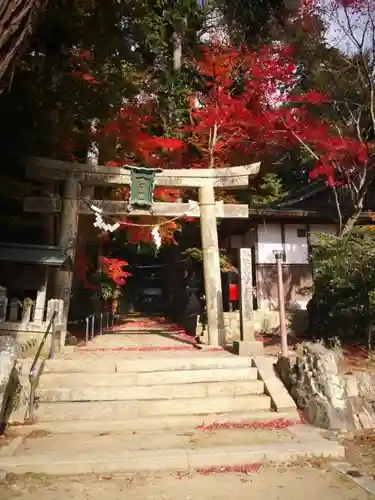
pixel 17 20
pixel 351 221
pixel 357 209
pixel 177 51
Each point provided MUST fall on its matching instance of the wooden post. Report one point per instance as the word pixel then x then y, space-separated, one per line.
pixel 211 266
pixel 281 297
pixel 68 236
pixel 41 297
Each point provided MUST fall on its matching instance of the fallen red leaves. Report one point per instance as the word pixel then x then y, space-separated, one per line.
pixel 242 469
pixel 279 423
pixel 151 348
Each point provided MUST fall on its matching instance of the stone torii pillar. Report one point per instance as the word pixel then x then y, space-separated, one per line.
pixel 67 240
pixel 207 209
pixel 211 266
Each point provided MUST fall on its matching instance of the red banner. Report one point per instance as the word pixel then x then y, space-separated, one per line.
pixel 233 293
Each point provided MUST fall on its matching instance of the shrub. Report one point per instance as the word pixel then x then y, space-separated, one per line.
pixel 344 276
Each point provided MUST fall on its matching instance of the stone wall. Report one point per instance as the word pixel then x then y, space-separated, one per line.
pixel 8 359
pixel 27 341
pixel 14 380
pixel 265 321
pixel 297 279
pixel 328 398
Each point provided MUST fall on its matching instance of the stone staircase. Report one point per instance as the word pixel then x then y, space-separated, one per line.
pixel 189 388
pixel 129 412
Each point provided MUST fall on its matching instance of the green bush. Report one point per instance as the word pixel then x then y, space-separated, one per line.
pixel 343 305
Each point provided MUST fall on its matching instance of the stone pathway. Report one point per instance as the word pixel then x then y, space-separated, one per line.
pixel 281 483
pixel 142 333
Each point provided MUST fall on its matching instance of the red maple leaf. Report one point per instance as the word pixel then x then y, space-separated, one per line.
pixel 113 268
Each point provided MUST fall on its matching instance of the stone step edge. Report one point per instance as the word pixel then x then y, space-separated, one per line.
pixel 251 376
pixel 115 369
pixel 170 459
pixel 144 365
pixel 253 388
pixel 281 400
pixel 248 398
pixel 154 423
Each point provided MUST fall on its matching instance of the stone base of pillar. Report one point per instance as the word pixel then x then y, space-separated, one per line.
pixel 62 339
pixel 248 348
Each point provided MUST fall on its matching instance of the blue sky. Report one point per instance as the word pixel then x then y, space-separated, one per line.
pixel 344 27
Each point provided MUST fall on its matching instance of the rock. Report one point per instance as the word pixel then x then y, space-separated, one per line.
pixel 366 386
pixel 283 368
pixel 328 398
pixel 71 340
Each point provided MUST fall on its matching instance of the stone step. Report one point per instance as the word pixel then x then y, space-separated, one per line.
pixel 116 364
pixel 129 440
pixel 78 380
pixel 154 392
pixel 155 423
pixel 63 458
pixel 123 410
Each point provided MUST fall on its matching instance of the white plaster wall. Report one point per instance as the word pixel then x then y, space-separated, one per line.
pixel 269 239
pixel 296 247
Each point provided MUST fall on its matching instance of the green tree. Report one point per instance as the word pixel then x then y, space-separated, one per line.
pixel 254 22
pixel 85 59
pixel 344 275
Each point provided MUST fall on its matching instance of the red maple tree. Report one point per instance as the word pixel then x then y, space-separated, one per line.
pixel 344 147
pixel 114 269
pixel 131 127
pixel 236 111
pixel 250 107
pixel 252 103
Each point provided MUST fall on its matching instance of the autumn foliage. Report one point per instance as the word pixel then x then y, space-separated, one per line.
pixel 249 106
pixel 250 103
pixel 236 110
pixel 114 269
pixel 81 67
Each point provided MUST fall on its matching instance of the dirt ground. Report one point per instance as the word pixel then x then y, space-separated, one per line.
pixel 308 483
pixel 360 451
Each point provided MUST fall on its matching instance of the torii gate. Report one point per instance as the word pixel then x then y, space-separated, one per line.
pixel 77 176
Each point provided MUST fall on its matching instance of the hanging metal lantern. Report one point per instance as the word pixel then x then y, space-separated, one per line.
pixel 142 187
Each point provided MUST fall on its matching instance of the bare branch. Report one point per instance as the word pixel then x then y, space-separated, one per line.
pixel 338 208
